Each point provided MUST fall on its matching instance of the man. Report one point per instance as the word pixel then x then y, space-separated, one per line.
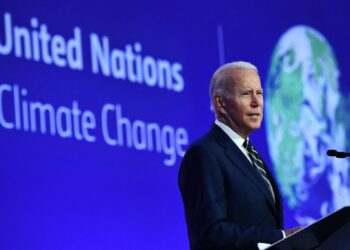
pixel 230 197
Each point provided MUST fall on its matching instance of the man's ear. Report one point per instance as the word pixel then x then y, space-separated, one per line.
pixel 219 104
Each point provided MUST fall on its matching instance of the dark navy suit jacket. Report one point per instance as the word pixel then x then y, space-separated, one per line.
pixel 227 203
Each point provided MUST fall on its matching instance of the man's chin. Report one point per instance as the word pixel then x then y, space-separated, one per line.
pixel 255 126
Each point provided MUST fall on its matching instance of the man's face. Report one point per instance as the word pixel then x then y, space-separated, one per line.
pixel 244 102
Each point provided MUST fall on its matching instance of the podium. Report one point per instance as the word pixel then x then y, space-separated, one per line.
pixel 329 233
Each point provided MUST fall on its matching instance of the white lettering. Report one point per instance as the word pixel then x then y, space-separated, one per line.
pixel 141 135
pixel 100 55
pixel 129 64
pixel 3 122
pixel 6 48
pixel 33 116
pixel 36 43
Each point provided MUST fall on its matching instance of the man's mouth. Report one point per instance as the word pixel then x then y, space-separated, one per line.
pixel 254 114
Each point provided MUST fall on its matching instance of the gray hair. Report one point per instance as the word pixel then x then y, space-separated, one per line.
pixel 219 83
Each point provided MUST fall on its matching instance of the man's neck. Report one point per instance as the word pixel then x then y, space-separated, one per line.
pixel 224 126
pixel 228 130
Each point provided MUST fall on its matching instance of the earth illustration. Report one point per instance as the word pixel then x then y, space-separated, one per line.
pixel 306 114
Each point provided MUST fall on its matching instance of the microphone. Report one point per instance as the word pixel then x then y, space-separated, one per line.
pixel 337 154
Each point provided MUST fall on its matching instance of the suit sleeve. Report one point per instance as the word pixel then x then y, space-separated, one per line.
pixel 202 184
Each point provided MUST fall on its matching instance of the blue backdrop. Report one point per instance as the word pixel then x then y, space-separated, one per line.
pixel 100 99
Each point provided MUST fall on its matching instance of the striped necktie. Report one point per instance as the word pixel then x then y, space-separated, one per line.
pixel 257 162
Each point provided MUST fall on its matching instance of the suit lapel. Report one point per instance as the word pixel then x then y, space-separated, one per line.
pixel 240 161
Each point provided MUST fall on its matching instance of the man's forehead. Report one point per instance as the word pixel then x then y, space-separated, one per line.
pixel 239 73
pixel 247 84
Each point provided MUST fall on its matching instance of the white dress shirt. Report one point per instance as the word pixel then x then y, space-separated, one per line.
pixel 236 138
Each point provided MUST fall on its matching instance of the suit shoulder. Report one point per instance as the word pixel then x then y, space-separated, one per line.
pixel 204 143
pixel 205 148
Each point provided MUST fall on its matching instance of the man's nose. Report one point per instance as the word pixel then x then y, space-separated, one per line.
pixel 256 100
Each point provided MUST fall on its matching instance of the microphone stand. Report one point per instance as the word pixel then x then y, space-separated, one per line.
pixel 337 154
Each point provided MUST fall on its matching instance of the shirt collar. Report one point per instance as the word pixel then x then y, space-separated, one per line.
pixel 236 138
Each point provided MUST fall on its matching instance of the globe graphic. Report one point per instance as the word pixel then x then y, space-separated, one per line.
pixel 306 114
